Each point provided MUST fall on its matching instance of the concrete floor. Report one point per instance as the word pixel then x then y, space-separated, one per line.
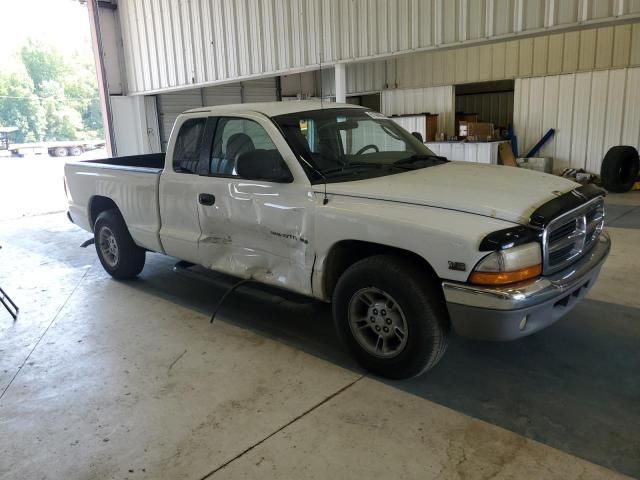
pixel 102 379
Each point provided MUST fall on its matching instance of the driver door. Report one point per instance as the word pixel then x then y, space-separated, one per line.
pixel 254 228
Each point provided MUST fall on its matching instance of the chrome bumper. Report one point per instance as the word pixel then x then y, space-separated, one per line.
pixel 511 312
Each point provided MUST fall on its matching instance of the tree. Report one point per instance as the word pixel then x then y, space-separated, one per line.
pixel 51 99
pixel 42 63
pixel 63 122
pixel 20 107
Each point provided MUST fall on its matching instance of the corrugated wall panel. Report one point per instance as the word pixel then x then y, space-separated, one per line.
pixel 170 105
pixel 171 44
pixel 438 100
pixel 631 124
pixel 615 108
pixel 580 122
pixel 586 50
pixel 550 113
pixel 598 110
pixel 591 111
pixel 562 137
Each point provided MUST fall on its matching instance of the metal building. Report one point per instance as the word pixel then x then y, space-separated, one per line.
pixel 572 65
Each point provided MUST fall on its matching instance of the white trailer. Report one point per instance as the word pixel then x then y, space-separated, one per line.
pixel 67 148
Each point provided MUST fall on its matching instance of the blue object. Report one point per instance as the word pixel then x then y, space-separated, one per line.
pixel 514 145
pixel 542 141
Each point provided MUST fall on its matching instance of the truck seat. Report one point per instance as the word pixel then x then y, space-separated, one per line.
pixel 237 144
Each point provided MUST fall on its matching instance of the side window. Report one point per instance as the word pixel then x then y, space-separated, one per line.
pixel 187 150
pixel 235 137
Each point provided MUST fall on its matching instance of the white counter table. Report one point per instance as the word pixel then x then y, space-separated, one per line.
pixel 477 152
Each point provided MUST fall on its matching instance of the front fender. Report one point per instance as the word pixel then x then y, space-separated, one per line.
pixel 437 235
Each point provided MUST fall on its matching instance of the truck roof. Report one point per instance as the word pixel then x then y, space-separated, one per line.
pixel 273 109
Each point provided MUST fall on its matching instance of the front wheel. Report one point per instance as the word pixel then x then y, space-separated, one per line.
pixel 391 315
pixel 118 253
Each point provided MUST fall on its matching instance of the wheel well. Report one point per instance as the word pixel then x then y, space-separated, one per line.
pixel 98 205
pixel 347 252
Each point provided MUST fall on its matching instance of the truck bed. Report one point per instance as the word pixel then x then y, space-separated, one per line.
pixel 150 160
pixel 130 182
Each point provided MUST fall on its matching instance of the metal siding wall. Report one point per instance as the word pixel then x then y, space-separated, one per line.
pixel 438 100
pixel 170 105
pixel 586 50
pixel 171 44
pixel 591 112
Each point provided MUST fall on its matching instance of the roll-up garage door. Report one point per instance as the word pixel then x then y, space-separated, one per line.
pixel 170 105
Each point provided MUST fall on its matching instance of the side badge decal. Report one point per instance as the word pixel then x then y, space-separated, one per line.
pixel 459 266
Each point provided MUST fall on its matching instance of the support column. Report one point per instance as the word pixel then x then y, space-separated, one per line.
pixel 341 82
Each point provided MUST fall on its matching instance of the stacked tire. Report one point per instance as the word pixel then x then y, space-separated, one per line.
pixel 620 168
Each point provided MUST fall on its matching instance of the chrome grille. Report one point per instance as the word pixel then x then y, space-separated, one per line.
pixel 570 236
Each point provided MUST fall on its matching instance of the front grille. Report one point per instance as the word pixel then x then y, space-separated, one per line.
pixel 570 236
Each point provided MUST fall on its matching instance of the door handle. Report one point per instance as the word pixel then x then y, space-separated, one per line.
pixel 206 199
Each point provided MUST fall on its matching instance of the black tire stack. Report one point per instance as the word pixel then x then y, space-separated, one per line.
pixel 620 169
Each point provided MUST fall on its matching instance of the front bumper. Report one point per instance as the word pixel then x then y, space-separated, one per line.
pixel 514 311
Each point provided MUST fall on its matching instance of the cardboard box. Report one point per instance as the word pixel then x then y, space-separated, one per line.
pixel 478 130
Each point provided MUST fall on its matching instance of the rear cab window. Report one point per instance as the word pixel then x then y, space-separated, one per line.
pixel 186 153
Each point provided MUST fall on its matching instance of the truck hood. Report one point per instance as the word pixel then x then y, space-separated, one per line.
pixel 506 193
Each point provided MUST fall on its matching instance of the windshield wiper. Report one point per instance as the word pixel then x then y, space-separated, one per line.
pixel 349 167
pixel 421 157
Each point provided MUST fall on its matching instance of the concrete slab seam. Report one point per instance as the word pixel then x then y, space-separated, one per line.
pixel 46 330
pixel 292 421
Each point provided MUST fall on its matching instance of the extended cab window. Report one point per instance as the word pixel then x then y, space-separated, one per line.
pixel 187 150
pixel 235 137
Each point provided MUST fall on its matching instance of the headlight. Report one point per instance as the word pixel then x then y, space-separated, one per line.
pixel 509 266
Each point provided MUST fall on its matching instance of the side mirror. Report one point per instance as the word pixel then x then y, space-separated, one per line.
pixel 418 135
pixel 265 165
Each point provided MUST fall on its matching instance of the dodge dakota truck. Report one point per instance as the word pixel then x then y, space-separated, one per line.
pixel 339 203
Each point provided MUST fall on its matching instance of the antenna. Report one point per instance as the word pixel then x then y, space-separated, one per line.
pixel 325 200
pixel 320 61
pixel 321 86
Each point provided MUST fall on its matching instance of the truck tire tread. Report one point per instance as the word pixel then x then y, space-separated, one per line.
pixel 132 257
pixel 418 293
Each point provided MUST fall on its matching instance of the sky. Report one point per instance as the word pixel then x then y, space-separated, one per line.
pixel 63 24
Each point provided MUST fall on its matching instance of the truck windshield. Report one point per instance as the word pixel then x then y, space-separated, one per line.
pixel 351 144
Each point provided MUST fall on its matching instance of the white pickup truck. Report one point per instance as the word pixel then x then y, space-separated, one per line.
pixel 339 203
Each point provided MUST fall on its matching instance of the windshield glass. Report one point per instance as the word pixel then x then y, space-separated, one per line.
pixel 350 144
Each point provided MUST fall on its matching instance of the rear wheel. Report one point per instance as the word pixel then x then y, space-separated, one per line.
pixel 118 253
pixel 75 151
pixel 391 315
pixel 60 152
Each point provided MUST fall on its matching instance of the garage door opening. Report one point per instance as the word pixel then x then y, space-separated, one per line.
pixel 489 102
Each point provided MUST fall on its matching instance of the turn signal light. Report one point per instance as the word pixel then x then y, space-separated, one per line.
pixel 504 278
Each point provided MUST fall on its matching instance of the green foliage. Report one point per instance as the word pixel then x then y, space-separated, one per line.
pixel 20 107
pixel 42 63
pixel 55 99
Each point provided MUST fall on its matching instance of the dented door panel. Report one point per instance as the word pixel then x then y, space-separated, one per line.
pixel 258 230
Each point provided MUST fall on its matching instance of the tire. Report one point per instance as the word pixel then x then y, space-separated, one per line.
pixel 619 169
pixel 60 152
pixel 118 253
pixel 415 303
pixel 76 151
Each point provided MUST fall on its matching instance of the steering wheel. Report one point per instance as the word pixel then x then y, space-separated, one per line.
pixel 367 147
